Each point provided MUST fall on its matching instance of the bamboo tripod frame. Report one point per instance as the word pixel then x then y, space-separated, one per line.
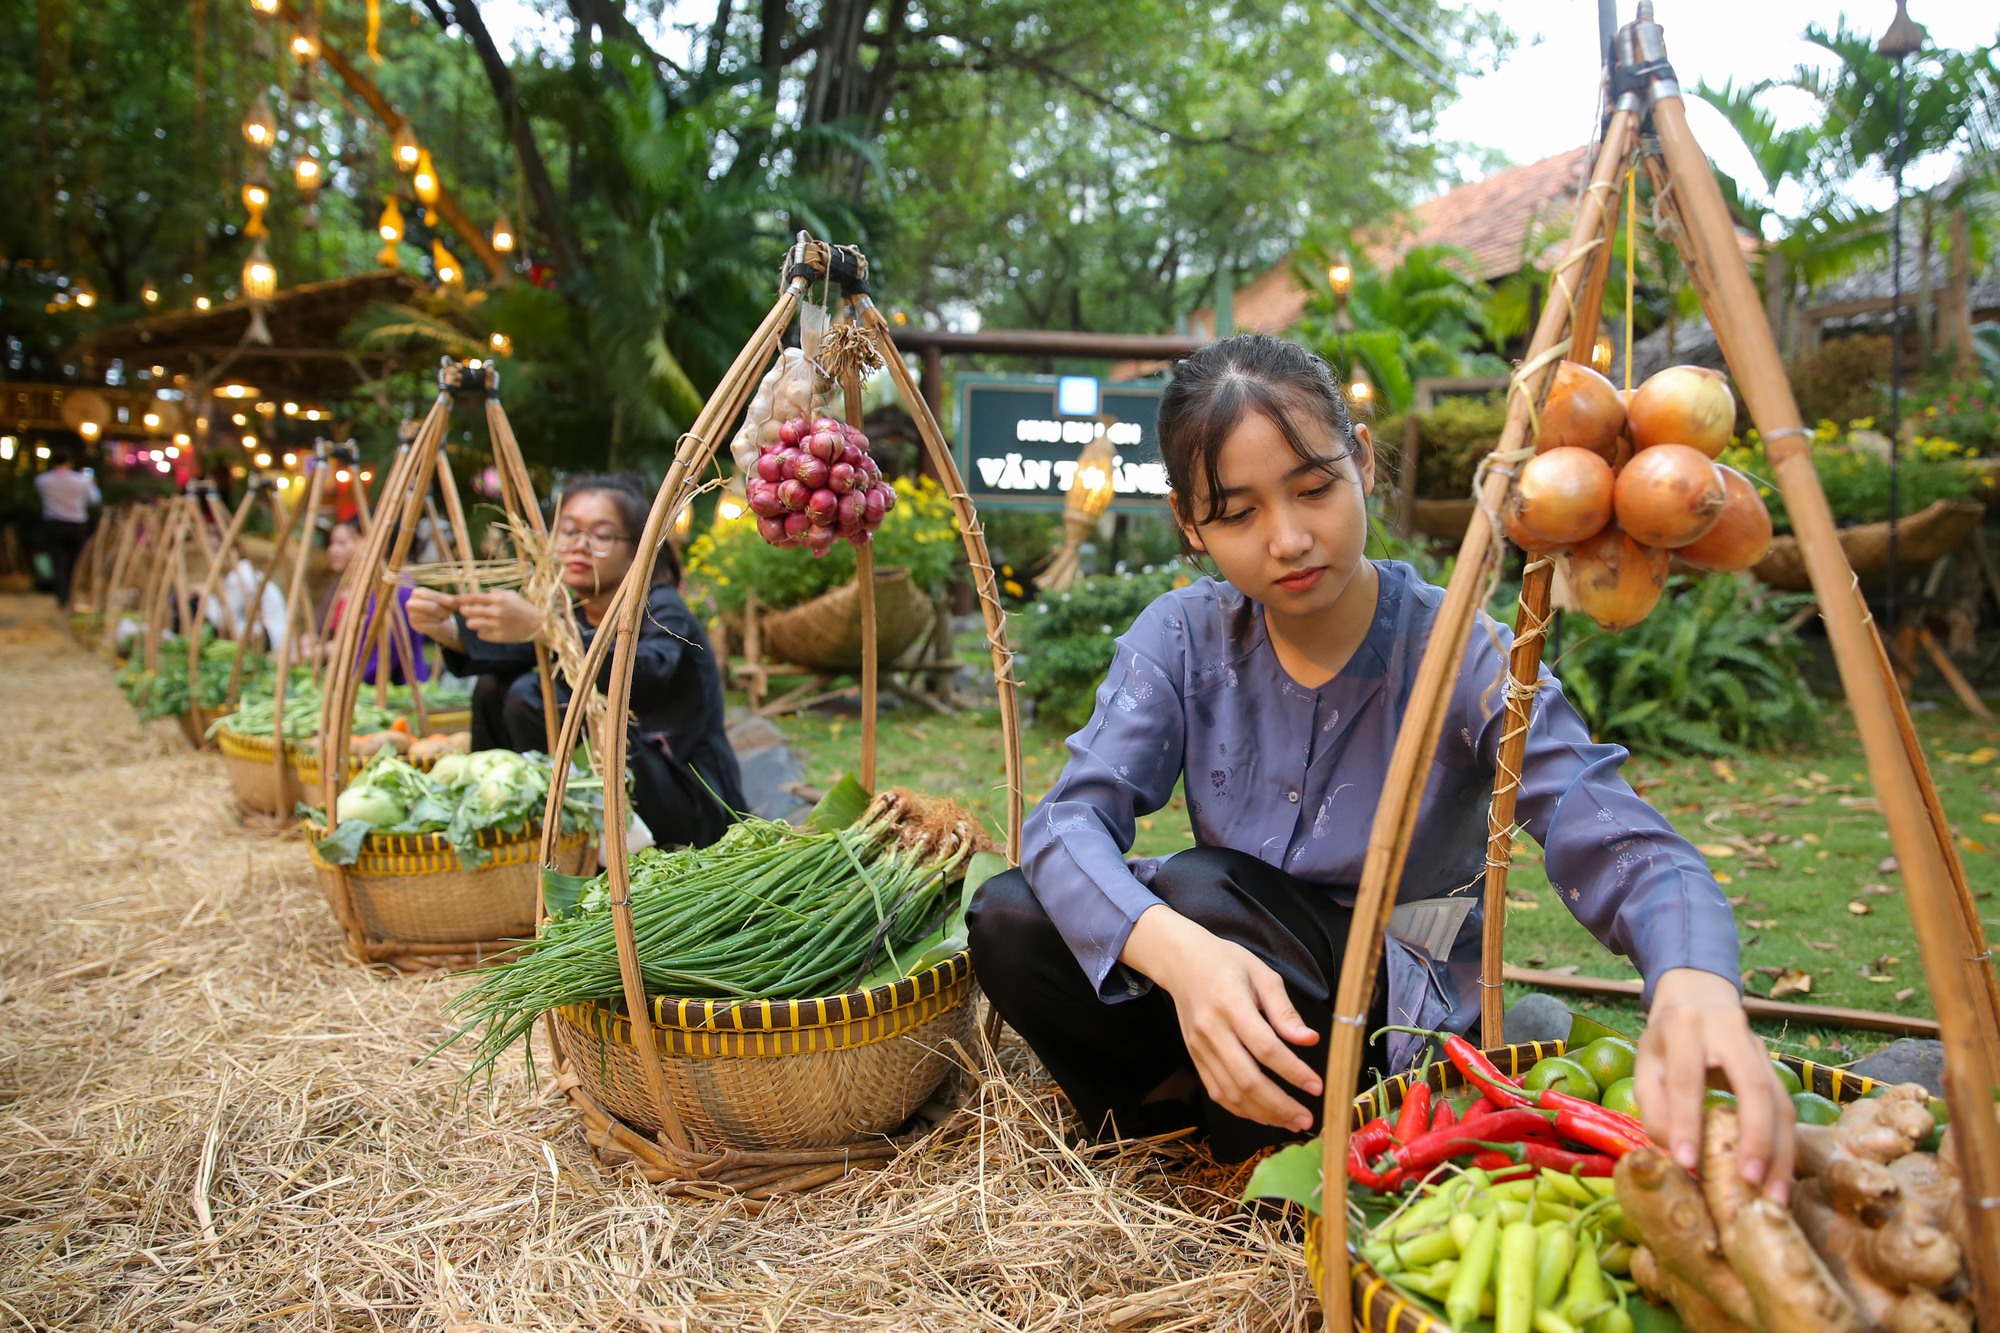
pixel 676 1154
pixel 1647 114
pixel 375 573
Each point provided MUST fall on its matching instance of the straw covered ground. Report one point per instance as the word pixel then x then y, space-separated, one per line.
pixel 210 1120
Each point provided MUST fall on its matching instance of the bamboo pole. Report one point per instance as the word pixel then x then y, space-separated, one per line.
pixel 293 637
pixel 517 491
pixel 864 583
pixel 1531 620
pixel 1416 746
pixel 1954 950
pixel 217 567
pixel 697 447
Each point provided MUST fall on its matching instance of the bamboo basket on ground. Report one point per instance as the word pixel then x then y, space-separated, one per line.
pixel 759 1098
pixel 1922 538
pixel 1950 937
pixel 824 634
pixel 407 901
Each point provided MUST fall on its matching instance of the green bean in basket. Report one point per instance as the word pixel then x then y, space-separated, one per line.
pixel 768 912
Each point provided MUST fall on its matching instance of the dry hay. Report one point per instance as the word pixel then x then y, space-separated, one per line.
pixel 209 1120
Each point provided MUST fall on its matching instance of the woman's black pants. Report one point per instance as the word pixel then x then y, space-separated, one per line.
pixel 1109 1056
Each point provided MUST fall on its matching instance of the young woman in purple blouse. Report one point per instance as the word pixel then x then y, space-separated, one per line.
pixel 1197 990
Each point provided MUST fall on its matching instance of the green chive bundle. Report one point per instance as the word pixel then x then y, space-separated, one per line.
pixel 768 912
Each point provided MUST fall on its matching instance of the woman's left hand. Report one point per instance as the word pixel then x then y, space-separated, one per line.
pixel 1697 1024
pixel 500 616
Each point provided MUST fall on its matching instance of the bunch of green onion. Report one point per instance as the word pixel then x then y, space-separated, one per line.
pixel 769 912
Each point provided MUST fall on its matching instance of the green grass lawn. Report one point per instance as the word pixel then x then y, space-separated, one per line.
pixel 1796 839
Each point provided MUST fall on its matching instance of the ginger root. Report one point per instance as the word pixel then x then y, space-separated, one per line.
pixel 1666 1207
pixel 1787 1280
pixel 1928 1185
pixel 1844 1244
pixel 1923 1312
pixel 1700 1314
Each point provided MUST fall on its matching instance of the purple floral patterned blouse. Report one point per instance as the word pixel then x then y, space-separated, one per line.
pixel 1292 776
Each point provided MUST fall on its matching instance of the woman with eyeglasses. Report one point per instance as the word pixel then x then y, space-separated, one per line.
pixel 686 785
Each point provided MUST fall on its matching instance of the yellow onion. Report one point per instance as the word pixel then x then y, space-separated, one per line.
pixel 1562 496
pixel 1582 412
pixel 1741 535
pixel 1615 580
pixel 1669 495
pixel 1689 405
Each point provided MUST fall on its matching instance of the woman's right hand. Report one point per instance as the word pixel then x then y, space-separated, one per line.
pixel 435 616
pixel 1235 1017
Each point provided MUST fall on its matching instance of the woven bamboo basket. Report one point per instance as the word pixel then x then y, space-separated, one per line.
pixel 1926 536
pixel 254 774
pixel 772 1076
pixel 758 1097
pixel 410 888
pixel 1379 1306
pixel 824 634
pixel 194 724
pixel 305 765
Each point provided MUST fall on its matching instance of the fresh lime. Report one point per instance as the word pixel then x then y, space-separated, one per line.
pixel 1623 1096
pixel 1564 1075
pixel 1788 1077
pixel 1814 1109
pixel 1717 1097
pixel 1608 1059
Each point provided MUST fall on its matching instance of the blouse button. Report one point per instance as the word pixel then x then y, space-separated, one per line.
pixel 1292 796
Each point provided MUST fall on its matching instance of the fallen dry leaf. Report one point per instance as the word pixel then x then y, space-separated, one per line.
pixel 1989 818
pixel 1972 845
pixel 1878 889
pixel 1904 994
pixel 1791 982
pixel 1809 839
pixel 1860 908
pixel 1722 877
pixel 1879 977
pixel 1761 924
pixel 1889 866
pixel 1721 768
pixel 1812 1042
pixel 1827 945
pixel 1715 849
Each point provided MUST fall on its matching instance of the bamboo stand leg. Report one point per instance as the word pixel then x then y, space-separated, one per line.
pixel 210 586
pixel 1416 747
pixel 519 497
pixel 864 582
pixel 1955 954
pixel 1531 622
pixel 295 615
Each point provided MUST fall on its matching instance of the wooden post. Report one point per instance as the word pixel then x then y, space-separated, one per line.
pixel 864 582
pixel 295 617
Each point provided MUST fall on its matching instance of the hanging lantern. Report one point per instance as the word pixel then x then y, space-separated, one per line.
pixel 390 227
pixel 260 127
pixel 256 198
pixel 260 276
pixel 265 7
pixel 1340 278
pixel 202 303
pixel 406 149
pixel 84 297
pixel 150 294
pixel 306 172
pixel 425 182
pixel 445 266
pixel 305 40
pixel 503 235
pixel 501 344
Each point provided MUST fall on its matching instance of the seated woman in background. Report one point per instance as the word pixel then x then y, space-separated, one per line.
pixel 686 786
pixel 343 543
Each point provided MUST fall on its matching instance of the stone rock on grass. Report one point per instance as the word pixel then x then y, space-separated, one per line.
pixel 1537 1017
pixel 767 772
pixel 1907 1060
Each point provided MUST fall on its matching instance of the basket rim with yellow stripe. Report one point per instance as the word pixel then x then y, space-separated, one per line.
pixel 432 853
pixel 1379 1306
pixel 252 767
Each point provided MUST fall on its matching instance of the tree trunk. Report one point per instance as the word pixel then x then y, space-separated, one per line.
pixel 1955 303
pixel 1775 274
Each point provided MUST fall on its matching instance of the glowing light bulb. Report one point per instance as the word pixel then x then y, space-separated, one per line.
pixel 503 235
pixel 202 303
pixel 263 460
pixel 407 150
pixel 343 476
pixel 502 344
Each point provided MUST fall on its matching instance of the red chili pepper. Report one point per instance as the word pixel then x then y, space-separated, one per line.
pixel 1416 1114
pixel 1600 1131
pixel 1444 1117
pixel 1363 1145
pixel 1546 1157
pixel 1421 1154
pixel 1501 1167
pixel 1483 1074
pixel 1479 1110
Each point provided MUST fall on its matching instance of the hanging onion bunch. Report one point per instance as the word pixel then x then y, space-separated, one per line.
pixel 818 484
pixel 1618 484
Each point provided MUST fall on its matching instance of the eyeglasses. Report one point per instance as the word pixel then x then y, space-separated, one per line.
pixel 598 542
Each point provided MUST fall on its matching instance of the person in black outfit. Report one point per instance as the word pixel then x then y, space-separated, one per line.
pixel 686 785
